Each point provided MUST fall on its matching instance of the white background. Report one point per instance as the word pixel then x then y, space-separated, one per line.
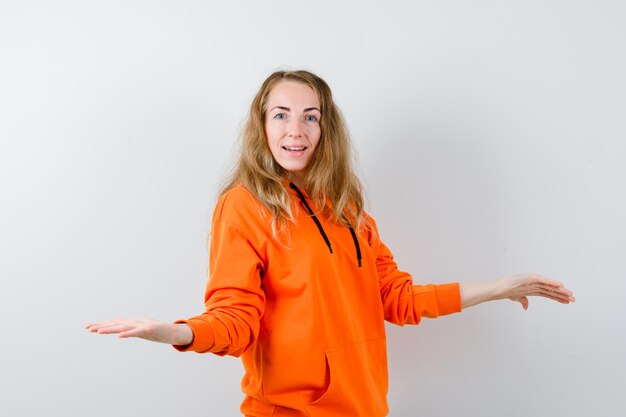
pixel 491 138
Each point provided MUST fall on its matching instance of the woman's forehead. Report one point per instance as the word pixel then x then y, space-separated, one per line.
pixel 293 92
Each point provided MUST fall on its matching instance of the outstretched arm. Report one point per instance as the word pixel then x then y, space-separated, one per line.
pixel 155 331
pixel 234 297
pixel 516 288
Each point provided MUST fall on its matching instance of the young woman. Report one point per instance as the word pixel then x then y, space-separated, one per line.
pixel 300 282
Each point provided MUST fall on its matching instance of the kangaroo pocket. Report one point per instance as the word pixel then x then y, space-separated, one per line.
pixel 358 382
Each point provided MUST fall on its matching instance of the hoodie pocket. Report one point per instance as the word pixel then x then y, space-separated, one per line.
pixel 358 382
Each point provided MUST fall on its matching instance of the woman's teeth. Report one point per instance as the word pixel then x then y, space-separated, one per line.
pixel 289 148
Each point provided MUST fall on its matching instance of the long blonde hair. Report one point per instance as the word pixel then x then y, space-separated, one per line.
pixel 329 179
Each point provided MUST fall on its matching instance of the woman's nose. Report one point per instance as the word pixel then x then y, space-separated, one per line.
pixel 295 128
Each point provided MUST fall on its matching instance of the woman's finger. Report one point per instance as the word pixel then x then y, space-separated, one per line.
pixel 561 297
pixel 115 329
pixel 524 302
pixel 560 293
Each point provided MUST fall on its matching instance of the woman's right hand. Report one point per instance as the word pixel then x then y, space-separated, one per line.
pixel 153 330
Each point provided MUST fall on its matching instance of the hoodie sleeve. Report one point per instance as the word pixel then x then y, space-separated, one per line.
pixel 234 297
pixel 403 301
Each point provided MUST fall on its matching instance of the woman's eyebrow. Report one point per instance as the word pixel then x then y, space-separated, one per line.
pixel 288 109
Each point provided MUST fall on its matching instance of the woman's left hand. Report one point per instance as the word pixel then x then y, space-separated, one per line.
pixel 519 287
pixel 516 287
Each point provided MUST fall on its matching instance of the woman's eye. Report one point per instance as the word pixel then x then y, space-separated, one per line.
pixel 279 116
pixel 310 118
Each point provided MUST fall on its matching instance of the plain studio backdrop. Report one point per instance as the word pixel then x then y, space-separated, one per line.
pixel 491 139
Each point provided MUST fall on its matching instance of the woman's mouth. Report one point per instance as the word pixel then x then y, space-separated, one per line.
pixel 295 150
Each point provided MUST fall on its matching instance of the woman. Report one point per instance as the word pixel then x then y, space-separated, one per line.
pixel 300 282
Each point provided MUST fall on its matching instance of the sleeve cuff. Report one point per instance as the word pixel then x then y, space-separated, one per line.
pixel 203 337
pixel 448 298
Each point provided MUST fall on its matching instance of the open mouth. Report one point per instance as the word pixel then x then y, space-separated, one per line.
pixel 294 148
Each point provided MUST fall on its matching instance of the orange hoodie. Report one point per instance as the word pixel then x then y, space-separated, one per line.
pixel 305 317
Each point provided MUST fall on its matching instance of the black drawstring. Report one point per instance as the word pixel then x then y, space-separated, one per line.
pixel 321 229
pixel 308 209
pixel 356 245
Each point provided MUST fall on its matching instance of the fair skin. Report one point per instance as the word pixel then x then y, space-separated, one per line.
pixel 513 287
pixel 292 126
pixel 293 132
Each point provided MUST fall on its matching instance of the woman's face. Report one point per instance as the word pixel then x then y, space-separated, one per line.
pixel 292 125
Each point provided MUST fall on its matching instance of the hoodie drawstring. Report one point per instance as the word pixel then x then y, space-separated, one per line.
pixel 308 209
pixel 356 245
pixel 321 229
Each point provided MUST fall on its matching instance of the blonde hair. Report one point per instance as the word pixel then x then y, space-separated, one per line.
pixel 329 179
